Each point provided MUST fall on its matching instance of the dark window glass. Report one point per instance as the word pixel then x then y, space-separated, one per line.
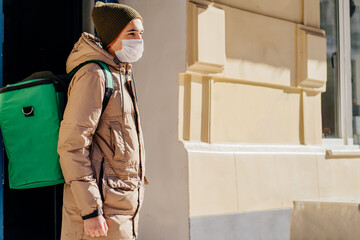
pixel 330 99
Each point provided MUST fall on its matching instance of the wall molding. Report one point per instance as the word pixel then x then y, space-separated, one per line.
pixel 254 149
pixel 205 37
pixel 311 58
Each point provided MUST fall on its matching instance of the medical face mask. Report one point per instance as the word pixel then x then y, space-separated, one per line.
pixel 131 51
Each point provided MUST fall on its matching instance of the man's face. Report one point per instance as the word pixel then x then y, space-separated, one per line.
pixel 134 30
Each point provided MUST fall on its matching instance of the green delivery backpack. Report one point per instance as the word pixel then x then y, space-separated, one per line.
pixel 30 115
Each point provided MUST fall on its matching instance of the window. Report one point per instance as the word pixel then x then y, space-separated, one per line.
pixel 355 66
pixel 341 101
pixel 330 99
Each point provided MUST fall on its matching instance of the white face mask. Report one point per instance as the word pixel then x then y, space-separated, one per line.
pixel 131 51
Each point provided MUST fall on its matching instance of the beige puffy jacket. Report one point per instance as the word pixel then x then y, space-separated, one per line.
pixel 111 146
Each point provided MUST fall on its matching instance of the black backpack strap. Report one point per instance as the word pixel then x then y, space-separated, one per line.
pixel 109 85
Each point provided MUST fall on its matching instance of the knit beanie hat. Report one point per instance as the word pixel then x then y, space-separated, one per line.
pixel 110 19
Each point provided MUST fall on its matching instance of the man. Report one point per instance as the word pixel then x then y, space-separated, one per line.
pixel 102 154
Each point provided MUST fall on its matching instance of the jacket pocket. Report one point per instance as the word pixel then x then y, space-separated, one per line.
pixel 117 140
pixel 126 183
pixel 121 196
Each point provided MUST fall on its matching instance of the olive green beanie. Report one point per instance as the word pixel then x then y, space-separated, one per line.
pixel 110 19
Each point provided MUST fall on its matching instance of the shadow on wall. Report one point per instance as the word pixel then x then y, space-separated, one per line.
pixel 260 48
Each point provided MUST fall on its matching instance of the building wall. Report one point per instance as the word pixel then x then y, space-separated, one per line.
pixel 250 117
pixel 164 214
pixel 230 98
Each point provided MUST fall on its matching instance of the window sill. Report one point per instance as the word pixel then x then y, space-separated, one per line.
pixel 336 148
pixel 336 153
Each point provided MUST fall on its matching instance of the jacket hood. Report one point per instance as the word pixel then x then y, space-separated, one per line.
pixel 88 47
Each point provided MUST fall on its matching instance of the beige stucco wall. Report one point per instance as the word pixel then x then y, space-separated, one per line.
pixel 237 182
pixel 165 211
pixel 251 119
pixel 225 180
pixel 239 83
pixel 267 88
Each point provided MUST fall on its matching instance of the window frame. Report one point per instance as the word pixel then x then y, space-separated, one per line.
pixel 344 114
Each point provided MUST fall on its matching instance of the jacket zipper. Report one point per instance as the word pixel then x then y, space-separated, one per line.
pixel 122 94
pixel 133 80
pixel 101 175
pixel 26 85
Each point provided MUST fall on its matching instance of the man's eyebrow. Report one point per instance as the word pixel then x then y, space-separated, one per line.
pixel 135 30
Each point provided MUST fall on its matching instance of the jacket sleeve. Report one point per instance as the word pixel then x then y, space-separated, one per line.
pixel 80 120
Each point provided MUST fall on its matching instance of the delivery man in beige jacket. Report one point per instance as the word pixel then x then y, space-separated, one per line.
pixel 102 154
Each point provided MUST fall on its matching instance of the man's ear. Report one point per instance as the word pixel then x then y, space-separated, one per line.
pixel 111 50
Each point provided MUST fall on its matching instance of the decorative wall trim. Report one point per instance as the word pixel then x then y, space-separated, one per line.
pixel 204 67
pixel 325 150
pixel 253 149
pixel 206 109
pixel 205 38
pixel 187 107
pixel 311 58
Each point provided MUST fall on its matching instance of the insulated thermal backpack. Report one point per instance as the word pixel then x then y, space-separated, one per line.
pixel 30 115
